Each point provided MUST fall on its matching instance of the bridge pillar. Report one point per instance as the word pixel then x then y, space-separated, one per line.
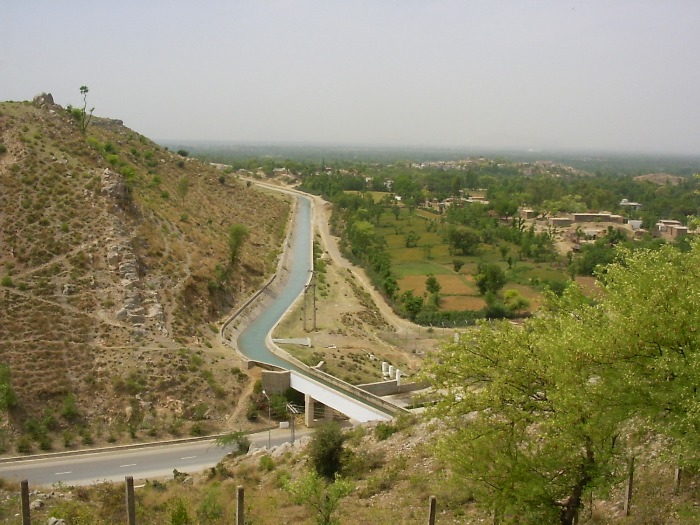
pixel 309 411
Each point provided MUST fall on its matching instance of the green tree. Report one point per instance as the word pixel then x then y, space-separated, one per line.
pixel 322 497
pixel 237 235
pixel 489 277
pixel 515 301
pixel 457 265
pixel 326 450
pixel 412 239
pixel 238 439
pixel 652 332
pixel 84 116
pixel 412 304
pixel 432 285
pixel 539 433
pixel 463 239
pixel 550 404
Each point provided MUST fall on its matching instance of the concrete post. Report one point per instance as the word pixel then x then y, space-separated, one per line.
pixel 240 513
pixel 24 489
pixel 628 491
pixel 130 501
pixel 433 510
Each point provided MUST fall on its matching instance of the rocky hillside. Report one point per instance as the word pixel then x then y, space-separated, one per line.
pixel 115 266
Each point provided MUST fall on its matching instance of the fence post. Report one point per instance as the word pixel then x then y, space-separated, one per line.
pixel 130 503
pixel 628 492
pixel 677 480
pixel 431 514
pixel 24 489
pixel 240 514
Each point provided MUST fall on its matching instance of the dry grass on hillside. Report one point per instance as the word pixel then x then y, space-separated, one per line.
pixel 115 261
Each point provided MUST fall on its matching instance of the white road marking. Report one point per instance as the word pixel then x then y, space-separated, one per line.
pixel 129 465
pixel 67 472
pixel 189 457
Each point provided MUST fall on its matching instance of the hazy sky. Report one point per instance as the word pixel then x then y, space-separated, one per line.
pixel 610 75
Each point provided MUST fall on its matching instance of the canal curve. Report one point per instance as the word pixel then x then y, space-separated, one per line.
pixel 251 341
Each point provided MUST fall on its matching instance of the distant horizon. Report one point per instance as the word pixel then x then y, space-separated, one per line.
pixel 471 150
pixel 519 75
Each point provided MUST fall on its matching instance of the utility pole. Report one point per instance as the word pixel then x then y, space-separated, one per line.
pixel 293 412
pixel 313 296
pixel 312 287
pixel 269 416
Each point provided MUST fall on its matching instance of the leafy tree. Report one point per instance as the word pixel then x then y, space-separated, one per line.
pixel 239 439
pixel 432 285
pixel 457 265
pixel 326 450
pixel 320 496
pixel 237 235
pixel 505 207
pixel 84 117
pixel 412 304
pixel 463 239
pixel 515 301
pixel 489 277
pixel 652 332
pixel 412 239
pixel 539 415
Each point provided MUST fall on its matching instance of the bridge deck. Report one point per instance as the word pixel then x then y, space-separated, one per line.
pixel 342 403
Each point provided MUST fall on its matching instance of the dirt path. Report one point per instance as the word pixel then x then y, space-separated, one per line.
pixel 237 417
pixel 321 221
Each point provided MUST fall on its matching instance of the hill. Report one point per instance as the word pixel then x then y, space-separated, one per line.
pixel 115 266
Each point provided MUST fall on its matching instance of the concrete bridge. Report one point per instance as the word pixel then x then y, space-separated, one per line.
pixel 316 392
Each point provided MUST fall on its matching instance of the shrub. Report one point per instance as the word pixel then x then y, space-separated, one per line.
pixel 384 430
pixel 210 509
pixel 70 411
pixel 252 412
pixel 24 445
pixel 326 449
pixel 8 398
pixel 358 463
pixel 266 463
pixel 179 515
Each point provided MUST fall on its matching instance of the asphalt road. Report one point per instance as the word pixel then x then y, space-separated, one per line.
pixel 142 463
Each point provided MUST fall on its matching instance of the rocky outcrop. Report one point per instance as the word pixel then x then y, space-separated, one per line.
pixel 141 305
pixel 43 99
pixel 114 189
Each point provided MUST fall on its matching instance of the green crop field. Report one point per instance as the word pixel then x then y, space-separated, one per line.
pixel 428 253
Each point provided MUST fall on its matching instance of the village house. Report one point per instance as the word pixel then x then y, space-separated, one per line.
pixel 670 229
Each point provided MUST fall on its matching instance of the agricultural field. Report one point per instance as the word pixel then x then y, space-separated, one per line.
pixel 416 241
